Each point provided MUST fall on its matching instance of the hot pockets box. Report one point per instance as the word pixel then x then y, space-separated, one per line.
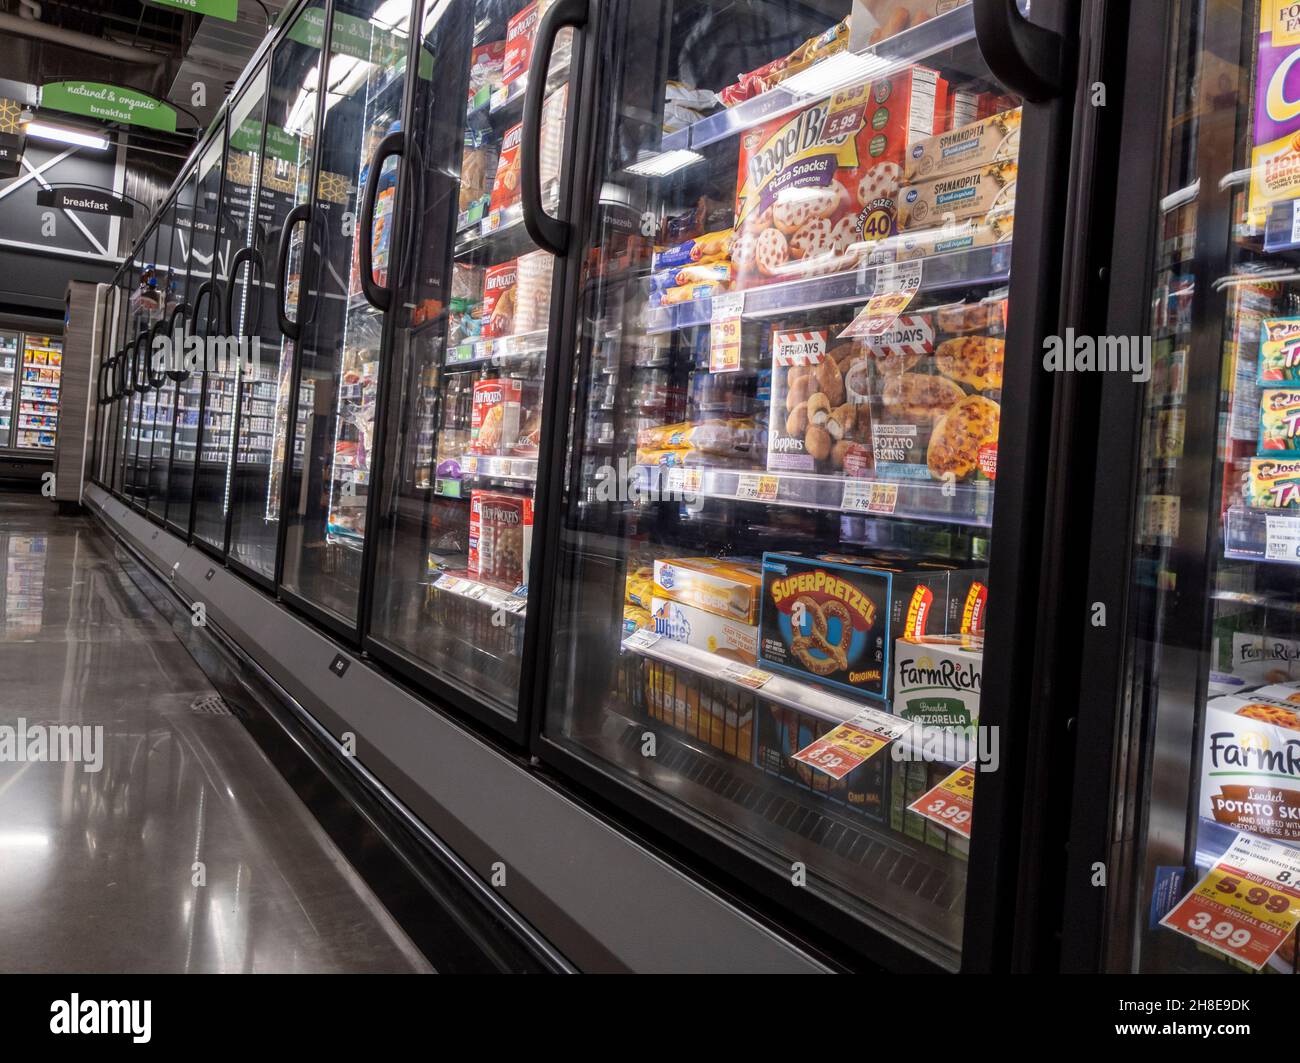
pixel 834 622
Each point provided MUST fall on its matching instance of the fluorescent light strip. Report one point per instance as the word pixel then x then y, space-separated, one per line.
pixel 63 135
pixel 843 68
pixel 664 163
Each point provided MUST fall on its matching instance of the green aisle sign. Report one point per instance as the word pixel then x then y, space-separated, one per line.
pixel 112 103
pixel 226 9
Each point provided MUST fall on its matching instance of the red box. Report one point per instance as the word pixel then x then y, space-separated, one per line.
pixel 494 415
pixel 816 184
pixel 505 182
pixel 500 284
pixel 500 537
pixel 521 31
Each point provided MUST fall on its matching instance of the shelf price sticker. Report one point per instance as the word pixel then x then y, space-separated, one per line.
pixel 641 639
pixel 725 332
pixel 757 487
pixel 896 287
pixel 1283 538
pixel 862 496
pixel 754 678
pixel 851 744
pixel 951 802
pixel 1248 903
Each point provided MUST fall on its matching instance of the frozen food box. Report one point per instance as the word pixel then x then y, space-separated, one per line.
pixel 816 184
pixel 1279 420
pixel 956 197
pixel 997 227
pixel 500 537
pixel 1287 693
pixel 714 712
pixel 967 602
pixel 725 587
pixel 495 415
pixel 834 622
pixel 705 631
pixel 505 182
pixel 1279 351
pixel 815 424
pixel 1250 775
pixel 970 147
pixel 521 31
pixel 500 299
pixel 937 679
pixel 1273 483
pixel 783 732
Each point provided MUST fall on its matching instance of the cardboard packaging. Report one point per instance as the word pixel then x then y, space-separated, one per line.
pixel 727 588
pixel 937 680
pixel 1273 483
pixel 834 622
pixel 970 147
pixel 1279 420
pixel 956 197
pixel 1250 767
pixel 500 537
pixel 705 631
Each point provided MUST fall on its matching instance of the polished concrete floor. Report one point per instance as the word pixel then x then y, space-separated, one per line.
pixel 186 850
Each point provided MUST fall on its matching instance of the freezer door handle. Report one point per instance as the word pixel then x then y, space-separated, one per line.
pixel 209 289
pixel 119 374
pixel 549 233
pixel 183 312
pixel 140 363
pixel 155 380
pixel 254 257
pixel 101 381
pixel 378 297
pixel 1025 57
pixel 292 329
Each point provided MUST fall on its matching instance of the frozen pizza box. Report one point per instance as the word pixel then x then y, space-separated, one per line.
pixel 816 185
pixel 1250 766
pixel 990 140
pixel 834 622
pixel 956 197
pixel 937 679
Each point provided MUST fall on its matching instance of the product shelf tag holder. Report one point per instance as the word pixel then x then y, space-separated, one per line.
pixel 725 332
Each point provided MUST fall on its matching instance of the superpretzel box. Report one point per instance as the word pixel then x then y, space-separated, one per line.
pixel 833 620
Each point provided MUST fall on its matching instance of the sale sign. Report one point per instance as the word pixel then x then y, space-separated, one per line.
pixel 1247 905
pixel 951 802
pixel 852 743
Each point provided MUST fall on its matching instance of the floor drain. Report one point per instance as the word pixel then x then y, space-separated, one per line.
pixel 210 705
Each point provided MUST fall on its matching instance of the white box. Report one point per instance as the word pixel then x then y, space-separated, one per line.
pixel 704 630
pixel 937 680
pixel 1250 768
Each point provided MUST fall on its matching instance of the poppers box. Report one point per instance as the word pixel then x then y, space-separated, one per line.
pixel 1279 351
pixel 1250 774
pixel 937 680
pixel 1273 483
pixel 727 588
pixel 991 140
pixel 1279 420
pixel 834 622
pixel 955 197
pixel 815 184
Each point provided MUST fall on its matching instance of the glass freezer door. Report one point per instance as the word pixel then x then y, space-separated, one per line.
pixel 338 377
pixel 171 287
pixel 1207 776
pixel 772 579
pixel 8 375
pixel 464 424
pixel 212 482
pixel 38 391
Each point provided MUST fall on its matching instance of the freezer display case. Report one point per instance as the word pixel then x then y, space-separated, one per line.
pixel 1205 489
pixel 38 392
pixel 145 306
pixel 329 478
pixel 217 450
pixel 160 412
pixel 465 400
pixel 285 152
pixel 8 374
pixel 772 565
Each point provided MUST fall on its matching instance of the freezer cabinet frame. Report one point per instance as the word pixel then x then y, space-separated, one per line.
pixel 1003 863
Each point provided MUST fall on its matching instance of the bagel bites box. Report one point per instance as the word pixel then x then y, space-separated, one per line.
pixel 815 186
pixel 833 620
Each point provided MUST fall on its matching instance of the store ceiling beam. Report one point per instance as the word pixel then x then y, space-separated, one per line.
pixel 23 27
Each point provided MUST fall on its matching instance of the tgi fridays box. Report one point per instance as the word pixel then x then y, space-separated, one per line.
pixel 500 537
pixel 937 680
pixel 834 621
pixel 1250 766
pixel 991 140
pixel 815 424
pixel 815 184
pixel 955 197
pixel 783 732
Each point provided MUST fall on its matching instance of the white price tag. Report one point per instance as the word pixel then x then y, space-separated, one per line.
pixel 1283 543
pixel 1295 221
pixel 754 678
pixel 725 332
pixel 640 640
pixel 727 304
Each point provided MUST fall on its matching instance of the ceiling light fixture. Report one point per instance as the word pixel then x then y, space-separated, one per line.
pixel 664 163
pixel 64 135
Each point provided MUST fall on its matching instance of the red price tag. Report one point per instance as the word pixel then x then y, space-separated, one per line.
pixel 951 803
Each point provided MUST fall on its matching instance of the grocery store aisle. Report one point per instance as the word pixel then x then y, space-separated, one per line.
pixel 160 838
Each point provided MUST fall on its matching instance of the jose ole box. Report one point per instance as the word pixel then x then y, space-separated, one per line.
pixel 834 620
